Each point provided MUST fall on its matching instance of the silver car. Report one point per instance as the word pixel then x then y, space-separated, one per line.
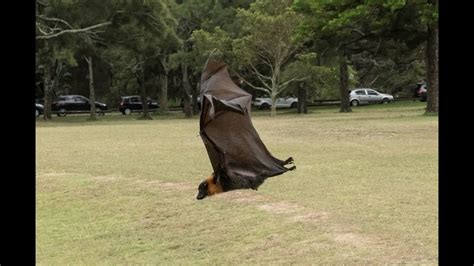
pixel 367 96
pixel 265 103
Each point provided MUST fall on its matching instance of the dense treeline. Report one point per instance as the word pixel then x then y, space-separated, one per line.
pixel 318 49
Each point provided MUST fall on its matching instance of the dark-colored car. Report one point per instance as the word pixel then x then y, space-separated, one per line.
pixel 39 110
pixel 67 104
pixel 133 103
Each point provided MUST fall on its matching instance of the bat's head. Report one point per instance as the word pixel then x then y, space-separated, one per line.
pixel 208 187
pixel 202 190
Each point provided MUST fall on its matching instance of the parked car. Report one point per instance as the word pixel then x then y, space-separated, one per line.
pixel 367 96
pixel 39 110
pixel 67 104
pixel 420 91
pixel 265 103
pixel 133 103
pixel 198 99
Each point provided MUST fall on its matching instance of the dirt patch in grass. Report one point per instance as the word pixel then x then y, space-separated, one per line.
pixel 243 196
pixel 180 186
pixel 338 233
pixel 105 178
pixel 265 203
pixel 350 239
pixel 310 217
pixel 279 207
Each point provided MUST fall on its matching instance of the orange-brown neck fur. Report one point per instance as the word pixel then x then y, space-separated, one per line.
pixel 213 188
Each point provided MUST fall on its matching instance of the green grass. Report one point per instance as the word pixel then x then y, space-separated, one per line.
pixel 121 190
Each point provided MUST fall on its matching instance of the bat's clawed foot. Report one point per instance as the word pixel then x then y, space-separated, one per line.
pixel 290 161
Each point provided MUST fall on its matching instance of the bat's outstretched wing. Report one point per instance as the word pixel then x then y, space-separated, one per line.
pixel 238 156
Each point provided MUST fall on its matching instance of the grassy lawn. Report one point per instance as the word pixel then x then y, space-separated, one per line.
pixel 121 190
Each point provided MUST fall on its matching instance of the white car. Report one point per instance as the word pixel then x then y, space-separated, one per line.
pixel 265 103
pixel 366 96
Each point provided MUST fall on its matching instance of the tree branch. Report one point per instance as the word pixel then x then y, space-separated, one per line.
pixel 265 60
pixel 261 77
pixel 289 55
pixel 350 42
pixel 250 84
pixel 41 30
pixel 358 31
pixel 54 19
pixel 49 36
pixel 284 84
pixel 42 3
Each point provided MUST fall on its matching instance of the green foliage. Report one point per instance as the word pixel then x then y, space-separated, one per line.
pixel 319 81
pixel 206 42
pixel 382 39
pixel 204 26
pixel 267 27
pixel 394 4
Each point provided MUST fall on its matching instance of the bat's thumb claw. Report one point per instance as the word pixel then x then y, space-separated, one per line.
pixel 289 160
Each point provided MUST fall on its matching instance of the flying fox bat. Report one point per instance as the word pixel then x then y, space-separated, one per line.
pixel 238 156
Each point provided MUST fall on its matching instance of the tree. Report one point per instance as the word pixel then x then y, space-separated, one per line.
pixel 149 30
pixel 368 28
pixel 331 26
pixel 168 44
pixel 257 46
pixel 432 56
pixel 314 78
pixel 49 27
pixel 64 21
pixel 87 47
pixel 344 85
pixel 91 87
pixel 197 18
pixel 267 44
pixel 190 15
pixel 395 70
pixel 50 56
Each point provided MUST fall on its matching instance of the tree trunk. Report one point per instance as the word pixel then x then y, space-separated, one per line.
pixel 302 94
pixel 273 109
pixel 164 85
pixel 344 85
pixel 47 95
pixel 51 84
pixel 432 65
pixel 91 87
pixel 195 103
pixel 141 83
pixel 188 111
pixel 274 90
pixel 164 94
